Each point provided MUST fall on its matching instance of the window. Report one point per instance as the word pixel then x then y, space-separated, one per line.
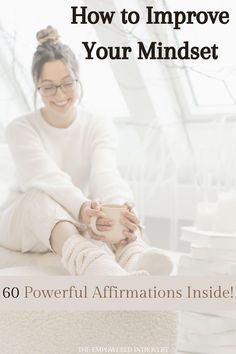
pixel 206 87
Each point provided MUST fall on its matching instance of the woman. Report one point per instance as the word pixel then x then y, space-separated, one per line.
pixel 64 162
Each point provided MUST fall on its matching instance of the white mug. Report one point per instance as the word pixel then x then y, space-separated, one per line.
pixel 111 211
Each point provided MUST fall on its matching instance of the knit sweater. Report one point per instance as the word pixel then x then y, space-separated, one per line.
pixel 71 165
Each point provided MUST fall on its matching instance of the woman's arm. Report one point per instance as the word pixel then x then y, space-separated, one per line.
pixel 36 169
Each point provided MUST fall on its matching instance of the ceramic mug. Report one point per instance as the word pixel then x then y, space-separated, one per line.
pixel 111 211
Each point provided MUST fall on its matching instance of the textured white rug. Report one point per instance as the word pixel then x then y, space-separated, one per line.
pixel 64 332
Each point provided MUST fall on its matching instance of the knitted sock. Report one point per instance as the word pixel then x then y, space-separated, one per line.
pixel 138 255
pixel 82 257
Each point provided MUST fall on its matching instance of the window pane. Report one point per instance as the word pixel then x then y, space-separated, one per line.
pixel 212 82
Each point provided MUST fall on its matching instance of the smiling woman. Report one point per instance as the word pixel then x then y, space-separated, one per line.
pixel 55 72
pixel 58 99
pixel 66 168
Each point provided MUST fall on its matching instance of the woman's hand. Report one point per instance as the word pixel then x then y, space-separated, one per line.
pixel 131 223
pixel 93 208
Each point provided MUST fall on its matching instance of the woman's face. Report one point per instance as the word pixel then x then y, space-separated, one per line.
pixel 63 100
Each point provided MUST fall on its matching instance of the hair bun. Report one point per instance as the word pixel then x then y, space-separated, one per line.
pixel 48 35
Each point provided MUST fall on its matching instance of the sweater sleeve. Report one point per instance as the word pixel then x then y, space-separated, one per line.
pixel 36 169
pixel 106 183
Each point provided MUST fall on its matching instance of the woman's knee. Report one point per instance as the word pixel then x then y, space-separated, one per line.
pixel 61 231
pixel 40 204
pixel 46 217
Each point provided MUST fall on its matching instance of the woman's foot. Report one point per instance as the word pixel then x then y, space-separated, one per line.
pixel 81 257
pixel 138 255
pixel 153 261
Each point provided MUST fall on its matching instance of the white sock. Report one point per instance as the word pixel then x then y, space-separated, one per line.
pixel 82 257
pixel 153 261
pixel 138 255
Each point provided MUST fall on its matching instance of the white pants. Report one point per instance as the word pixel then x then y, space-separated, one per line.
pixel 26 224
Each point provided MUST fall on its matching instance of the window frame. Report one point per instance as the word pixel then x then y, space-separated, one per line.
pixel 192 112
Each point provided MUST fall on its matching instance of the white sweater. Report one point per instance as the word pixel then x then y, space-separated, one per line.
pixel 71 164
